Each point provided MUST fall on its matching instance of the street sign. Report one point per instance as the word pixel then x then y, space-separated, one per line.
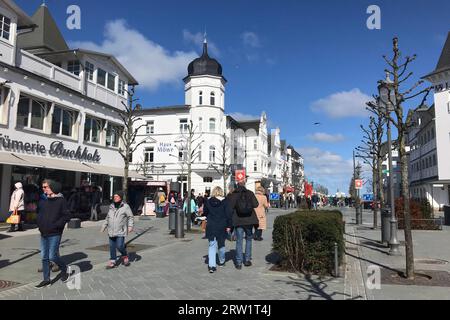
pixel 240 175
pixel 358 184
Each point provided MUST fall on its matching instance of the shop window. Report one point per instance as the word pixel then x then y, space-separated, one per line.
pixel 63 121
pixel 31 113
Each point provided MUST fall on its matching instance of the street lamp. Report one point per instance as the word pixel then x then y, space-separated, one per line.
pixel 386 102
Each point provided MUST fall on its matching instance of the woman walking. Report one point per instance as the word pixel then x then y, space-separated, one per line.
pixel 119 223
pixel 17 205
pixel 218 213
pixel 261 212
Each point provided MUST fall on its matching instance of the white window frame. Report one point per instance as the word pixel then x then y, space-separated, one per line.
pixel 200 124
pixel 212 154
pixel 45 107
pixel 255 166
pixel 149 155
pixel 74 67
pixel 122 86
pixel 184 125
pixel 109 76
pixel 106 78
pixel 2 27
pixel 73 115
pixel 150 127
pixel 92 119
pixel 212 125
pixel 90 70
pixel 212 99
pixel 200 98
pixel 117 129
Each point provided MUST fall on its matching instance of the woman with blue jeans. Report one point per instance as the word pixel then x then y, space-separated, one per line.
pixel 52 219
pixel 119 222
pixel 218 212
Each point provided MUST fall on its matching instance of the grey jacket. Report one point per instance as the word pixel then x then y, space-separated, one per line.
pixel 119 220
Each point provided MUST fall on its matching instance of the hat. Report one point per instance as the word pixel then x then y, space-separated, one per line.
pixel 18 185
pixel 120 194
pixel 54 186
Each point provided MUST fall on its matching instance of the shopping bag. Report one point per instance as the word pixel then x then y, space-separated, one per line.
pixel 14 218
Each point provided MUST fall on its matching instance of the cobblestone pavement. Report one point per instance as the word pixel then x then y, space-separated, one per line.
pixel 170 269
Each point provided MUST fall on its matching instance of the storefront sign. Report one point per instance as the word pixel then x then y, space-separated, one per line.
pixel 56 150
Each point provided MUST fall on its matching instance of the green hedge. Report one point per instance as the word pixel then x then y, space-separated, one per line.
pixel 305 240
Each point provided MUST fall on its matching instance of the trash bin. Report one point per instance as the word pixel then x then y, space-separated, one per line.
pixel 385 226
pixel 447 215
pixel 172 219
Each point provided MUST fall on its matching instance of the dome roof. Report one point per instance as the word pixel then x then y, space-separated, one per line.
pixel 205 65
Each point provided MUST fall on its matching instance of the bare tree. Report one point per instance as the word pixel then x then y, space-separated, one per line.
pixel 370 152
pixel 225 168
pixel 189 152
pixel 397 97
pixel 128 135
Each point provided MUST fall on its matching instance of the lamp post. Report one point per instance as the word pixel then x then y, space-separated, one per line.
pixel 386 102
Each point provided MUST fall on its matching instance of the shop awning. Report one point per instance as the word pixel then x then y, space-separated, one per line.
pixel 58 164
pixel 9 158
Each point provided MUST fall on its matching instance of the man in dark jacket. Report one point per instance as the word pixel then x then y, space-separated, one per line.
pixel 52 219
pixel 243 203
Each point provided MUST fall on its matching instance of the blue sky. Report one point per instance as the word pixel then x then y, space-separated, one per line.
pixel 300 61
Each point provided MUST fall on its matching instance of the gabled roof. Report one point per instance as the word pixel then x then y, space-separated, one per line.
pixel 444 60
pixel 46 37
pixel 24 20
pixel 132 80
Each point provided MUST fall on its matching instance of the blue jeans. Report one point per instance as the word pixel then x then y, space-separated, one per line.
pixel 50 252
pixel 117 243
pixel 240 231
pixel 213 250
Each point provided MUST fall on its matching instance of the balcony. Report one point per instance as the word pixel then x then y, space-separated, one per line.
pixel 48 70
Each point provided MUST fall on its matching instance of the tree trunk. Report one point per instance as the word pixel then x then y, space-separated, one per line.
pixel 380 183
pixel 407 214
pixel 125 181
pixel 375 198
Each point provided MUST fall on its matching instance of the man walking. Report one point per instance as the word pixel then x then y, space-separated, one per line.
pixel 243 202
pixel 52 219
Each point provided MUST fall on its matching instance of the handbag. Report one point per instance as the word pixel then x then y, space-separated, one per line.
pixel 14 218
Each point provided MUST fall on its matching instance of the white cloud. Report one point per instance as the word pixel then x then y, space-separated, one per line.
pixel 344 104
pixel 150 63
pixel 243 117
pixel 251 39
pixel 197 39
pixel 327 168
pixel 325 137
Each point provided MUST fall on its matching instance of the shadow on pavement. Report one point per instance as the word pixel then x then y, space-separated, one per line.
pixel 7 263
pixel 374 263
pixel 229 256
pixel 273 258
pixel 368 247
pixel 316 288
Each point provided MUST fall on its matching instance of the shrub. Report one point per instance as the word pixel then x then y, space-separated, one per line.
pixel 420 210
pixel 305 241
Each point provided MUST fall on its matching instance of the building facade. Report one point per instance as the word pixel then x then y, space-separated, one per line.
pixel 59 111
pixel 202 134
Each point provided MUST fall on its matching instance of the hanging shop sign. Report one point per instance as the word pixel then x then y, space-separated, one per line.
pixel 56 150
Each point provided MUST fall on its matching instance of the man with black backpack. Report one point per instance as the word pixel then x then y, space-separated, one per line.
pixel 243 202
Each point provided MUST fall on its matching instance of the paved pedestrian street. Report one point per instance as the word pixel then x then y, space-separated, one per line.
pixel 166 268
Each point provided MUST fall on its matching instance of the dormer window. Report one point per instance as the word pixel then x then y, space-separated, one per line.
pixel 101 77
pixel 5 27
pixel 200 98
pixel 213 99
pixel 90 71
pixel 111 82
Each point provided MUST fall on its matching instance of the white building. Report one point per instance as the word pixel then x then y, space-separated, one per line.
pixel 59 111
pixel 432 173
pixel 218 139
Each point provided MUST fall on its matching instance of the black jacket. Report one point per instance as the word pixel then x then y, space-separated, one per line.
pixel 219 218
pixel 234 198
pixel 53 216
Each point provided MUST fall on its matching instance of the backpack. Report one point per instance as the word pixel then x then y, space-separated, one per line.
pixel 162 199
pixel 244 207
